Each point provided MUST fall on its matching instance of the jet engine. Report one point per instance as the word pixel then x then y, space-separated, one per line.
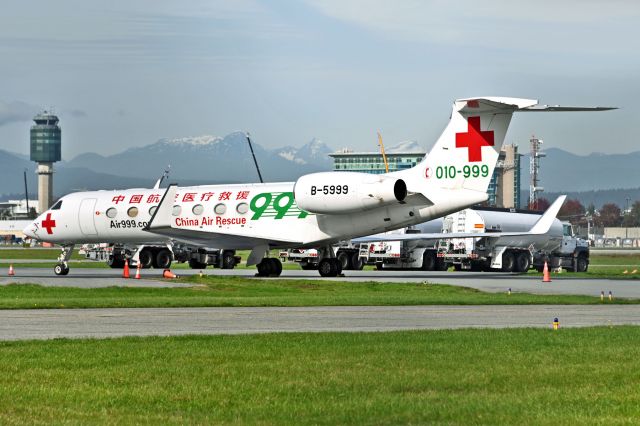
pixel 347 192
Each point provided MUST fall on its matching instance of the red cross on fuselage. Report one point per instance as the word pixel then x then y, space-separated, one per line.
pixel 49 224
pixel 474 139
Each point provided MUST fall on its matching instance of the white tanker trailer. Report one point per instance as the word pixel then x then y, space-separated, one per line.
pixel 558 246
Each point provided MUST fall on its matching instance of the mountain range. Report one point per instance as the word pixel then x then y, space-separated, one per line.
pixel 214 159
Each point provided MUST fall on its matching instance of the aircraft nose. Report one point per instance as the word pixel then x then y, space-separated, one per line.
pixel 30 230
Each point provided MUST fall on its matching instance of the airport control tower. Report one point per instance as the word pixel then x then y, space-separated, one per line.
pixel 46 143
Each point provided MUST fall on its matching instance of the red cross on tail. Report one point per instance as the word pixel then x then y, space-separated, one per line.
pixel 474 139
pixel 49 224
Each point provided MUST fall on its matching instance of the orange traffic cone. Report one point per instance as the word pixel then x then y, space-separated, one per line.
pixel 125 271
pixel 546 278
pixel 11 271
pixel 137 277
pixel 168 274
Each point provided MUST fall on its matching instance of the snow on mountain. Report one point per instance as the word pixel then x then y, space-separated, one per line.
pixel 406 146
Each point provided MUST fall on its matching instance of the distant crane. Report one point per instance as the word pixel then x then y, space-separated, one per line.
pixel 384 155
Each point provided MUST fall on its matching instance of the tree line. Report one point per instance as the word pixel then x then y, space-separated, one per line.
pixel 609 214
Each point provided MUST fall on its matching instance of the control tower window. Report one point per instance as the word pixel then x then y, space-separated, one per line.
pixel 57 205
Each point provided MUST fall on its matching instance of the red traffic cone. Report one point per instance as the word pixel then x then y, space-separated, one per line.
pixel 168 274
pixel 546 277
pixel 125 271
pixel 11 271
pixel 137 277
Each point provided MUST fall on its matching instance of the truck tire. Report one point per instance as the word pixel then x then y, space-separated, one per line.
pixel 508 261
pixel 115 262
pixel 194 264
pixel 523 262
pixel 308 266
pixel 582 264
pixel 345 260
pixel 428 260
pixel 357 263
pixel 441 265
pixel 145 258
pixel 229 261
pixel 162 259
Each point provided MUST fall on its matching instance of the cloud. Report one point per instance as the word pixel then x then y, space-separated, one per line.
pixel 545 24
pixel 77 113
pixel 16 111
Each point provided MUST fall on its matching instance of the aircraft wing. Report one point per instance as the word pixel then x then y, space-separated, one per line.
pixel 541 226
pixel 161 224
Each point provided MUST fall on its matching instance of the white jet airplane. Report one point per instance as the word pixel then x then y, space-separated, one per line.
pixel 317 210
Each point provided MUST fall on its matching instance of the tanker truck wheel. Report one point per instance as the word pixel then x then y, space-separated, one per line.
pixel 508 261
pixel 523 262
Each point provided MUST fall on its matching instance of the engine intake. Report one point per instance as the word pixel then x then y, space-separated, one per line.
pixel 347 192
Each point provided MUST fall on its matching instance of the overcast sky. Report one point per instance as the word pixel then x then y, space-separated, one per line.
pixel 123 74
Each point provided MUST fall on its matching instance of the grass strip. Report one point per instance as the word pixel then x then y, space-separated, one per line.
pixel 239 291
pixel 511 376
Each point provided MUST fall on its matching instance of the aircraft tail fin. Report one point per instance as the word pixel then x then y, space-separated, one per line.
pixel 463 159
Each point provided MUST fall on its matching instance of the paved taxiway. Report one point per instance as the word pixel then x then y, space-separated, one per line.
pixel 490 282
pixel 103 323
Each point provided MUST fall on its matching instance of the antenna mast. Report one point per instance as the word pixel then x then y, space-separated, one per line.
pixel 254 156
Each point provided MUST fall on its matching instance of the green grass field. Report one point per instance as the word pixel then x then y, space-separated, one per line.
pixel 520 376
pixel 237 291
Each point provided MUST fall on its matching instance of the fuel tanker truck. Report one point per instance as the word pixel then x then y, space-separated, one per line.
pixel 482 239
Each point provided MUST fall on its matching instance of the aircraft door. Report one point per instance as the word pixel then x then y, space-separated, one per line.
pixel 86 215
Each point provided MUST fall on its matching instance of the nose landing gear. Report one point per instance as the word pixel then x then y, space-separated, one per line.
pixel 62 267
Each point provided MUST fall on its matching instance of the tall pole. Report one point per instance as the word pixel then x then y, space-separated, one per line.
pixel 254 157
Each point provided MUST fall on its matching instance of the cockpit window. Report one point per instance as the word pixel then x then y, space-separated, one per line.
pixel 57 205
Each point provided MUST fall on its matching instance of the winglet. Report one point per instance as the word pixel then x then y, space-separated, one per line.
pixel 543 224
pixel 162 216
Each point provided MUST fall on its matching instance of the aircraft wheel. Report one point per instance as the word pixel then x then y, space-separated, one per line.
pixel 345 260
pixel 163 259
pixel 508 261
pixel 145 258
pixel 328 268
pixel 264 267
pixel 269 267
pixel 276 266
pixel 357 263
pixel 61 269
pixel 523 262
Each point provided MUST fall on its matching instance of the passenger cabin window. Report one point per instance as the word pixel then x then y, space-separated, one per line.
pixel 57 205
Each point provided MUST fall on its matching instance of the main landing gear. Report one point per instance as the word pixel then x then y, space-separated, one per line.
pixel 330 265
pixel 62 267
pixel 269 267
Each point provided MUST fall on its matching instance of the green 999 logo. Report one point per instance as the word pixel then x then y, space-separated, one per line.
pixel 276 205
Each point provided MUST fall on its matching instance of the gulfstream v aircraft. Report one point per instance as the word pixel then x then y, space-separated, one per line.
pixel 317 210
